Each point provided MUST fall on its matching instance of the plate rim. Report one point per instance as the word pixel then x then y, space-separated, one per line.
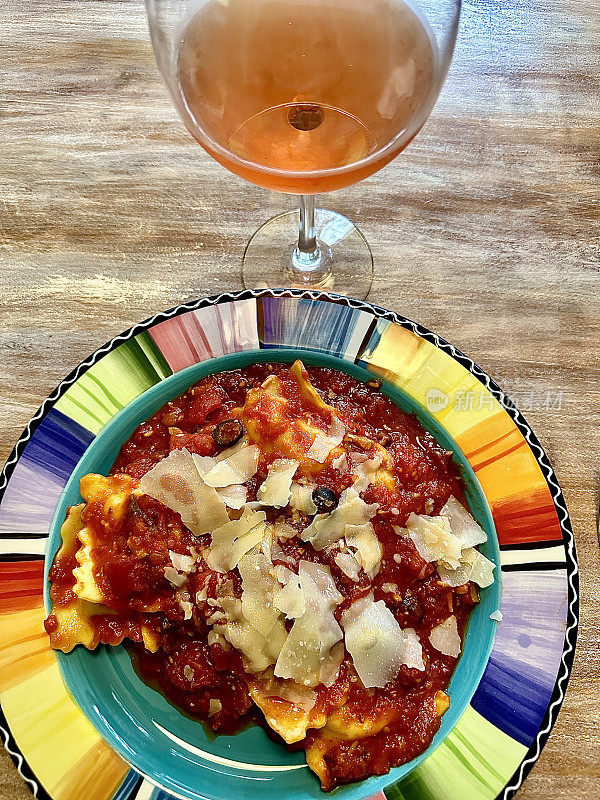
pixel 568 541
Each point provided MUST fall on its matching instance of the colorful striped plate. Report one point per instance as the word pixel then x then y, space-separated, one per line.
pixel 499 734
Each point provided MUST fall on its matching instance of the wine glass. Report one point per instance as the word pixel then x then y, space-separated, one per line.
pixel 304 96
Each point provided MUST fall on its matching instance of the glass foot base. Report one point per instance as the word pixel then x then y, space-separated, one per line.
pixel 344 263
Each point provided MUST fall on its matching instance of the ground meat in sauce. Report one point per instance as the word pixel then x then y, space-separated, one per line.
pixel 193 672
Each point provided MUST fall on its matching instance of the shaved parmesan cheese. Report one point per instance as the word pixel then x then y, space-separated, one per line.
pixel 258 587
pixel 276 488
pixel 202 595
pixel 238 468
pixel 290 599
pixel 462 574
pixel 413 650
pixel 301 499
pixel 214 706
pixel 376 642
pixel 445 637
pixel 482 572
pixel 282 530
pixel 233 496
pixel 331 666
pixel 434 539
pixel 348 565
pixel 176 483
pixel 288 690
pixel 497 615
pixel 364 474
pixel 473 567
pixel 320 576
pixel 278 554
pixel 328 528
pixel 340 463
pixel 323 444
pixel 182 562
pixel 259 652
pixel 234 539
pixel 462 524
pixel 231 451
pixel 283 574
pixel 367 545
pixel 254 626
pixel 174 577
pixel 306 656
pixel 183 600
pixel 203 464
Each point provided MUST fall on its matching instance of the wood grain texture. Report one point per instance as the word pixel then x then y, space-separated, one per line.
pixel 486 230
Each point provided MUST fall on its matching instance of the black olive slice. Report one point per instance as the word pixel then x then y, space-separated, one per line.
pixel 228 432
pixel 324 499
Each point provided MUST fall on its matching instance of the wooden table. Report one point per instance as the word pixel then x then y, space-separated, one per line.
pixel 486 230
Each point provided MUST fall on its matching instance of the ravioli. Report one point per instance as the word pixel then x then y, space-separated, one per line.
pixel 286 417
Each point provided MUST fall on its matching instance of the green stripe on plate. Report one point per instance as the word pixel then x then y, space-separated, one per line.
pixel 474 761
pixel 117 379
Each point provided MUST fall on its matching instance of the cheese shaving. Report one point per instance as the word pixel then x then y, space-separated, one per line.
pixel 306 656
pixel 214 706
pixel 328 528
pixel 445 637
pixel 276 488
pixel 254 626
pixel 290 599
pixel 376 642
pixel 482 572
pixel 434 539
pixel 323 443
pixel 413 650
pixel 176 483
pixel 175 577
pixel 182 562
pixel 301 499
pixel 473 567
pixel 237 468
pixel 234 496
pixel 462 524
pixel 234 539
pixel 368 547
pixel 348 565
pixel 258 587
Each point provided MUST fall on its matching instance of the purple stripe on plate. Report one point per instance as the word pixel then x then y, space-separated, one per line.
pixel 29 500
pixel 39 477
pixel 314 325
pixel 517 685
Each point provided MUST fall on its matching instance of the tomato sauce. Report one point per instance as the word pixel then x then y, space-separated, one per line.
pixel 206 678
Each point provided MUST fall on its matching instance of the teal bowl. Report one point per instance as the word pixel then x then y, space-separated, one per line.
pixel 176 752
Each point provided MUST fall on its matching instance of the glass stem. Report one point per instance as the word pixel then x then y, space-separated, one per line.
pixel 307 238
pixel 307 258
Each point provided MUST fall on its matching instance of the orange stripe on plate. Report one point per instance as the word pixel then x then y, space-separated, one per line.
pixel 530 518
pixel 21 584
pixel 97 774
pixel 512 481
pixel 24 646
